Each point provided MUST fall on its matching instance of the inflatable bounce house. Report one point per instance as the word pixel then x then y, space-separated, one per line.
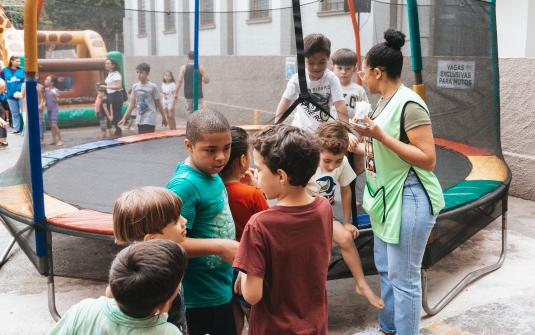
pixel 77 77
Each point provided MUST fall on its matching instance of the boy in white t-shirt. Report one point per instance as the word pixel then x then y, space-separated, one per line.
pixel 323 86
pixel 334 169
pixel 344 66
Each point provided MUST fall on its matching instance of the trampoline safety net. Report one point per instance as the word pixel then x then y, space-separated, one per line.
pixel 460 74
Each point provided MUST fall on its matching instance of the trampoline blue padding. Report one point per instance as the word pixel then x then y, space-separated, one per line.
pixel 67 152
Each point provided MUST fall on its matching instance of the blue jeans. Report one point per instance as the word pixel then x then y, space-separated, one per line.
pixel 16 107
pixel 399 264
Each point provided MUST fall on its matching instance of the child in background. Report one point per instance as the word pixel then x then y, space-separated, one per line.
pixel 168 89
pixel 104 113
pixel 344 66
pixel 244 201
pixel 144 281
pixel 40 106
pixel 148 213
pixel 284 252
pixel 146 97
pixel 51 100
pixel 210 243
pixel 334 169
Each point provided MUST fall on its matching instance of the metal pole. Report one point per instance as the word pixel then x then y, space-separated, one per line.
pixel 36 171
pixel 414 33
pixel 196 58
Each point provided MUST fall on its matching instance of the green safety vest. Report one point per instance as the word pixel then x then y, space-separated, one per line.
pixel 386 172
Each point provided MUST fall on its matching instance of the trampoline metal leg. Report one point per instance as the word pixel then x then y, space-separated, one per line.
pixel 6 252
pixel 50 282
pixel 11 244
pixel 467 279
pixel 52 298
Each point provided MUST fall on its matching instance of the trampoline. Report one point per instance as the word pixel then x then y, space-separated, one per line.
pixel 81 183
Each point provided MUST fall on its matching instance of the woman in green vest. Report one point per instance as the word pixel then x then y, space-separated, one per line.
pixel 402 195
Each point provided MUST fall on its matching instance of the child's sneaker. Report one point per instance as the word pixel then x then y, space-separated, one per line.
pixel 3 145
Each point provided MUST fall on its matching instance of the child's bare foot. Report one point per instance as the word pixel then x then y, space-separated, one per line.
pixel 59 143
pixel 126 128
pixel 51 143
pixel 372 297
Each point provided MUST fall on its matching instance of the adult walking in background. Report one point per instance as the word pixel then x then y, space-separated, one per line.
pixel 186 76
pixel 402 195
pixel 114 86
pixel 14 77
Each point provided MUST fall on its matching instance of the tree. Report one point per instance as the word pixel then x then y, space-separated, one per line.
pixel 103 16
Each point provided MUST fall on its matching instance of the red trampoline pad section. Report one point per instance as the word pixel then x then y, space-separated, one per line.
pixel 462 148
pixel 85 220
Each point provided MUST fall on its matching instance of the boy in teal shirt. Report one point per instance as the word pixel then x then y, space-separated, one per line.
pixel 144 280
pixel 208 279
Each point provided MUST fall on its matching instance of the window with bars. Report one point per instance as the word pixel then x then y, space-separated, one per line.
pixel 332 5
pixel 141 18
pixel 259 9
pixel 207 12
pixel 169 16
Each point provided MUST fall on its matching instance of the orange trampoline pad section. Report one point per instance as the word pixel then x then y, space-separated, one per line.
pixel 85 220
pixel 487 168
pixel 17 200
pixel 150 136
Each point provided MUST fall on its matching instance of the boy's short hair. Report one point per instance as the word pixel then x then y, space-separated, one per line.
pixel 190 54
pixel 315 43
pixel 143 67
pixel 344 57
pixel 145 210
pixel 293 150
pixel 145 275
pixel 205 121
pixel 102 90
pixel 333 136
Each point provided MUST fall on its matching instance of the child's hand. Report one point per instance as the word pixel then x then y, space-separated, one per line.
pixel 110 118
pixel 352 229
pixel 237 284
pixel 353 141
pixel 164 122
pixel 249 178
pixel 3 123
pixel 120 123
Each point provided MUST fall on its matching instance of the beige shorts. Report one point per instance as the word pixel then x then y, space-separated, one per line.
pixel 189 105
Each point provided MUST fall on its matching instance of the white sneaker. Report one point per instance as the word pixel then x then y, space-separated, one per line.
pixel 374 331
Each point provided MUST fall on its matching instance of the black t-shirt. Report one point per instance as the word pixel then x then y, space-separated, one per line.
pixel 104 102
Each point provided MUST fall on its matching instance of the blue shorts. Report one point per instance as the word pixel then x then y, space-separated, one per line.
pixel 237 296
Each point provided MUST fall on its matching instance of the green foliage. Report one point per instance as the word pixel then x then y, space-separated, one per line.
pixel 103 16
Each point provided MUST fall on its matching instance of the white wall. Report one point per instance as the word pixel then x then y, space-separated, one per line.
pixel 512 24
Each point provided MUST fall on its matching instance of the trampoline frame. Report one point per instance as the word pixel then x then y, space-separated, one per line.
pixel 46 264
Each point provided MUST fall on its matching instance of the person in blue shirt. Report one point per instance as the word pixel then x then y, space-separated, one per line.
pixel 14 77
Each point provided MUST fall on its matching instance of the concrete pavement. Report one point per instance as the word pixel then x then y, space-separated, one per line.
pixel 502 302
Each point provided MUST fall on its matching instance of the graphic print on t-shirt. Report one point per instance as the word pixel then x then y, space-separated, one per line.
pixel 369 158
pixel 327 185
pixel 141 98
pixel 223 227
pixel 322 100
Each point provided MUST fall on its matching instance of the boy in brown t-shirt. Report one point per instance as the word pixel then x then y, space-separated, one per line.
pixel 284 251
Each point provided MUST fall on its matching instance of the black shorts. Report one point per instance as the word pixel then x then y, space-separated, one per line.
pixel 145 128
pixel 217 320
